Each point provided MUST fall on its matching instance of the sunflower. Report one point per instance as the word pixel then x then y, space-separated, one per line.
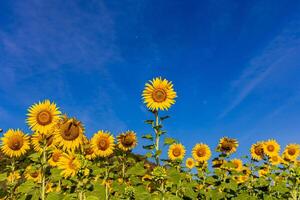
pixel 127 141
pixel 176 152
pixel 241 178
pixel 34 174
pixel 237 164
pixel 201 152
pixel 14 143
pixel 264 171
pixel 55 157
pixel 69 134
pixel 275 159
pixel 227 145
pixel 190 163
pixel 218 163
pixel 257 151
pixel 37 140
pixel 69 164
pixel 103 143
pixel 43 116
pixel 89 152
pixel 13 176
pixel 291 152
pixel 159 94
pixel 271 148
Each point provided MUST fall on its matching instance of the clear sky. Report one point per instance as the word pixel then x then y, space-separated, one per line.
pixel 235 65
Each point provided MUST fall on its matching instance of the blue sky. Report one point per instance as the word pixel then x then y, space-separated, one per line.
pixel 235 65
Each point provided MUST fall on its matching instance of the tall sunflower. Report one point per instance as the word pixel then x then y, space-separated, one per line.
pixel 201 152
pixel 37 140
pixel 190 163
pixel 55 157
pixel 176 152
pixel 14 143
pixel 103 143
pixel 69 134
pixel 127 141
pixel 227 145
pixel 271 148
pixel 257 151
pixel 43 116
pixel 69 164
pixel 34 174
pixel 291 152
pixel 159 94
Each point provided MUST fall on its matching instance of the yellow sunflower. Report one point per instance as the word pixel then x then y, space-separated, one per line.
pixel 69 134
pixel 176 152
pixel 275 159
pixel 218 163
pixel 69 164
pixel 190 163
pixel 14 143
pixel 103 143
pixel 291 152
pixel 127 141
pixel 257 151
pixel 271 148
pixel 201 152
pixel 159 94
pixel 237 164
pixel 38 139
pixel 89 152
pixel 241 178
pixel 263 171
pixel 43 116
pixel 55 157
pixel 227 145
pixel 33 174
pixel 13 177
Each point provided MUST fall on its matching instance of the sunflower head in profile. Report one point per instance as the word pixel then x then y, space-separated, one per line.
pixel 89 152
pixel 127 141
pixel 236 164
pixel 176 152
pixel 201 152
pixel 69 164
pixel 32 173
pixel 227 145
pixel 257 151
pixel 263 171
pixel 55 157
pixel 103 143
pixel 159 94
pixel 275 160
pixel 69 134
pixel 218 162
pixel 38 140
pixel 14 143
pixel 291 152
pixel 190 163
pixel 43 116
pixel 271 148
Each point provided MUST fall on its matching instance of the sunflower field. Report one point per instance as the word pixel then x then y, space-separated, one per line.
pixel 58 161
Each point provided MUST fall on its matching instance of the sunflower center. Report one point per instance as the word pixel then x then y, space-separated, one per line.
pixel 55 157
pixel 16 143
pixel 227 147
pixel 34 174
pixel 275 158
pixel 176 152
pixel 103 144
pixel 70 131
pixel 159 95
pixel 190 163
pixel 44 117
pixel 89 151
pixel 127 141
pixel 236 165
pixel 292 152
pixel 201 152
pixel 258 151
pixel 271 148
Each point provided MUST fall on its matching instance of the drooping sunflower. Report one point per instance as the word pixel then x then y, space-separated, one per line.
pixel 14 143
pixel 69 164
pixel 69 134
pixel 271 148
pixel 257 151
pixel 13 177
pixel 275 159
pixel 127 141
pixel 43 116
pixel 237 164
pixel 38 140
pixel 55 157
pixel 201 152
pixel 227 145
pixel 190 163
pixel 291 152
pixel 34 174
pixel 159 94
pixel 176 152
pixel 103 143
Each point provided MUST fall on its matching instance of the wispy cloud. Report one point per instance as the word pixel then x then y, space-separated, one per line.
pixel 275 56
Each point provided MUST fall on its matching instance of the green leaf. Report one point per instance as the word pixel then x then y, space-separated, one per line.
pixel 137 170
pixel 92 198
pixel 3 177
pixel 148 136
pixel 26 187
pixel 164 117
pixel 169 141
pixel 149 147
pixel 148 154
pixel 34 157
pixel 54 196
pixel 149 121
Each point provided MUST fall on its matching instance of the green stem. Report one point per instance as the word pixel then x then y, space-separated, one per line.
pixel 44 160
pixel 106 184
pixel 12 192
pixel 156 138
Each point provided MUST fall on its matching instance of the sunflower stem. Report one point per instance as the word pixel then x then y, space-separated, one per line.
pixel 156 138
pixel 44 159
